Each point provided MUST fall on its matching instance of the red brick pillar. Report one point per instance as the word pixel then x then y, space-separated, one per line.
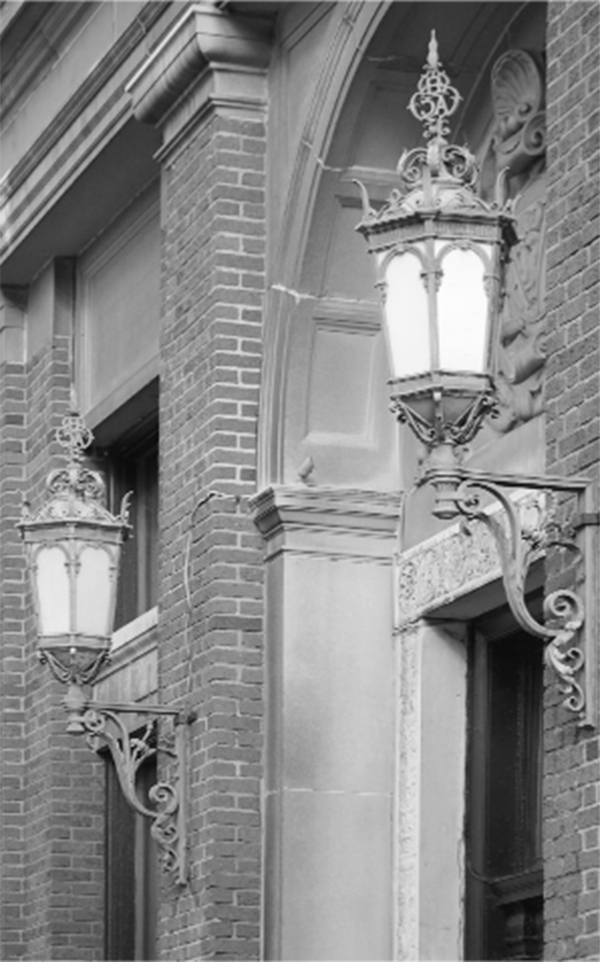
pixel 572 767
pixel 210 625
pixel 13 660
pixel 52 784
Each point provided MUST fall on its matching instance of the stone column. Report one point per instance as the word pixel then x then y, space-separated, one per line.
pixel 330 722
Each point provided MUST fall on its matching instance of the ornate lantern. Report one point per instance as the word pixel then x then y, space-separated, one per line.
pixel 440 251
pixel 73 546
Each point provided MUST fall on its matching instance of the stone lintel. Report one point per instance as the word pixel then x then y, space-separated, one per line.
pixel 354 522
pixel 208 60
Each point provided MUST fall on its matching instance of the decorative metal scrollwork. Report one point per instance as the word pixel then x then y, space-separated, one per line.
pixel 435 98
pixel 105 727
pixel 129 752
pixel 520 543
pixel 80 667
pixel 441 431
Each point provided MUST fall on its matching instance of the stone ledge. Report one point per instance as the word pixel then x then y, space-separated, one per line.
pixel 208 59
pixel 335 522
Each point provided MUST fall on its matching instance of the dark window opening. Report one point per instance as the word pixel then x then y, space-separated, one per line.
pixel 504 904
pixel 134 467
pixel 131 871
pixel 126 451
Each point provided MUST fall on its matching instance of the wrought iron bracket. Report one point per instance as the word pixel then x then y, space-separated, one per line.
pixel 571 617
pixel 104 725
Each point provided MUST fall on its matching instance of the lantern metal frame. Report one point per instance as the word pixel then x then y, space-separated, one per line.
pixel 437 202
pixel 73 519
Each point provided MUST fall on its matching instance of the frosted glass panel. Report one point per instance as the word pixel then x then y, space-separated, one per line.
pixel 93 592
pixel 53 591
pixel 462 313
pixel 406 316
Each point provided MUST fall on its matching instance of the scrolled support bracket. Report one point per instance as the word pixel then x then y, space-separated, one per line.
pixel 524 536
pixel 105 727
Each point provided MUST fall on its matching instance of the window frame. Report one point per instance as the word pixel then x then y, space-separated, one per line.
pixel 525 883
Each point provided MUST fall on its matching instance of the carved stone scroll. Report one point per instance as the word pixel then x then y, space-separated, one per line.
pixel 518 146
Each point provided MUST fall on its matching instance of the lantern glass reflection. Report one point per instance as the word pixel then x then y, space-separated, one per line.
pixel 51 585
pixel 462 313
pixel 406 316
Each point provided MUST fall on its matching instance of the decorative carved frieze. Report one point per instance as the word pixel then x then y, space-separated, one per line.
pixel 454 563
pixel 444 568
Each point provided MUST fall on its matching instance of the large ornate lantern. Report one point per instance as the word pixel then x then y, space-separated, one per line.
pixel 440 251
pixel 73 546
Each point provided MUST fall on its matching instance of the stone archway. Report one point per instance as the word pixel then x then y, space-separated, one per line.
pixel 332 468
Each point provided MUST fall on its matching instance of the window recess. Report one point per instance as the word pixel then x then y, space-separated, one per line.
pixel 126 451
pixel 504 877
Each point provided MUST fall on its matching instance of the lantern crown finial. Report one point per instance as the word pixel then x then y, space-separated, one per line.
pixel 73 433
pixel 435 99
pixel 438 178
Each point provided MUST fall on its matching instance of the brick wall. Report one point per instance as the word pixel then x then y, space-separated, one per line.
pixel 210 650
pixel 52 785
pixel 13 663
pixel 572 768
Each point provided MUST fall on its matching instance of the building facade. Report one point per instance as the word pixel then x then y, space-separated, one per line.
pixel 379 766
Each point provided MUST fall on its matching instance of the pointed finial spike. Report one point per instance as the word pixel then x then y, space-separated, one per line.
pixel 432 54
pixel 73 405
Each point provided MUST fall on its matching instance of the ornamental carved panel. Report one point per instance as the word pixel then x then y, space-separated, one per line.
pixel 518 146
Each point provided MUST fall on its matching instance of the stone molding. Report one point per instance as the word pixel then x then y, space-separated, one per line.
pixel 445 567
pixel 207 60
pixel 336 522
pixel 83 98
pixel 455 563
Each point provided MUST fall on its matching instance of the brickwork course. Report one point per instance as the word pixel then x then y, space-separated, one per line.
pixel 52 820
pixel 211 610
pixel 571 815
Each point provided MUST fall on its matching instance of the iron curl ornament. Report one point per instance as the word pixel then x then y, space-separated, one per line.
pixel 525 531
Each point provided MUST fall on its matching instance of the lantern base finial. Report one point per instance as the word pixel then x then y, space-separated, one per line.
pixel 443 426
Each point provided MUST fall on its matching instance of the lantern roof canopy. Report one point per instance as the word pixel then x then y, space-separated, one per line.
pixel 77 492
pixel 439 180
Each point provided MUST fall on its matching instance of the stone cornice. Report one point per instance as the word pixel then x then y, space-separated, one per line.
pixel 309 510
pixel 89 89
pixel 207 58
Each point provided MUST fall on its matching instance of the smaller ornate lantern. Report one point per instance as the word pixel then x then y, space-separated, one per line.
pixel 73 545
pixel 440 251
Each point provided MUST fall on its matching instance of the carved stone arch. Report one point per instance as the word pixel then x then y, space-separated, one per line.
pixel 304 312
pixel 356 22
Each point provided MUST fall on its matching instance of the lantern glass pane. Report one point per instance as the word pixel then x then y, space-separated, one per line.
pixel 406 316
pixel 53 595
pixel 94 592
pixel 463 313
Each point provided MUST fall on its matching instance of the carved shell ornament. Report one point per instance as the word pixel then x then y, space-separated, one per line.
pixel 517 98
pixel 518 145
